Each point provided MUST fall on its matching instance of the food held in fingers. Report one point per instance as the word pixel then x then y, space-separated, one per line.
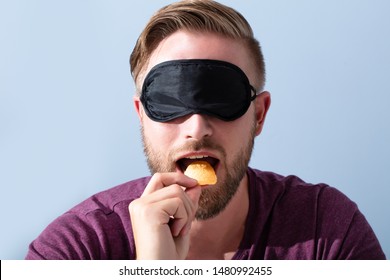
pixel 201 171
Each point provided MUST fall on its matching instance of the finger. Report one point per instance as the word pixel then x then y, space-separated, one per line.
pixel 171 191
pixel 194 195
pixel 165 202
pixel 176 214
pixel 161 180
pixel 181 222
pixel 182 225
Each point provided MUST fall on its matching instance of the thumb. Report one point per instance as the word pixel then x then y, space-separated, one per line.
pixel 194 195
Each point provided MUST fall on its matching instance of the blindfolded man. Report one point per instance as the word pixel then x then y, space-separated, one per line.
pixel 200 98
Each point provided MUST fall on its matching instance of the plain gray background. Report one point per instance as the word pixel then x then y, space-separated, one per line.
pixel 68 128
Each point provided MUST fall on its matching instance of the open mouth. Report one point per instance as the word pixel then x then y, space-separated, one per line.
pixel 183 163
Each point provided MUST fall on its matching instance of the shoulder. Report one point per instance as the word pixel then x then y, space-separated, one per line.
pixel 308 221
pixel 97 228
pixel 291 192
pixel 108 200
pixel 291 188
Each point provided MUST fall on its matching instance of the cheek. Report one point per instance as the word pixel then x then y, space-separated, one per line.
pixel 238 130
pixel 160 135
pixel 235 135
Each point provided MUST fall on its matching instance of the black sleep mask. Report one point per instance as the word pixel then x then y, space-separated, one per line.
pixel 176 88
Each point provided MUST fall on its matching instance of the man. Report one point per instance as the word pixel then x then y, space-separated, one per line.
pixel 200 74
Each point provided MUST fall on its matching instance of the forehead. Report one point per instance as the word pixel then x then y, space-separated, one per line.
pixel 191 45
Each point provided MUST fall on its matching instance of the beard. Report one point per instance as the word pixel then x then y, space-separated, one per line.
pixel 214 199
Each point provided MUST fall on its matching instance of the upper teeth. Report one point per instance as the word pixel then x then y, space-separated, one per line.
pixel 197 157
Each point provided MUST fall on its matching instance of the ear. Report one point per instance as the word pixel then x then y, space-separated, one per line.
pixel 262 104
pixel 138 107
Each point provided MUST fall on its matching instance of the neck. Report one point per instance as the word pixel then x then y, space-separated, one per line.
pixel 220 236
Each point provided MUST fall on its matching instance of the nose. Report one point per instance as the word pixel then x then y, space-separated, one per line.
pixel 197 126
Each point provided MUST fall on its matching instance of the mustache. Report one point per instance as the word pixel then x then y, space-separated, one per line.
pixel 197 145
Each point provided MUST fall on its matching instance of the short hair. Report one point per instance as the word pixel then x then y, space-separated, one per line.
pixel 199 16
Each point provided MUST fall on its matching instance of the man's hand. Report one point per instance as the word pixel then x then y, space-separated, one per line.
pixel 161 218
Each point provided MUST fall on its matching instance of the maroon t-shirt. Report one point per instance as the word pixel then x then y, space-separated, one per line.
pixel 287 219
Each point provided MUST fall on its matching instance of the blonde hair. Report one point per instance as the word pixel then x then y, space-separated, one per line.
pixel 194 15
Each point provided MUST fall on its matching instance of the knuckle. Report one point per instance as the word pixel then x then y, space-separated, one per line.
pixel 178 201
pixel 138 208
pixel 157 176
pixel 133 206
pixel 176 189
